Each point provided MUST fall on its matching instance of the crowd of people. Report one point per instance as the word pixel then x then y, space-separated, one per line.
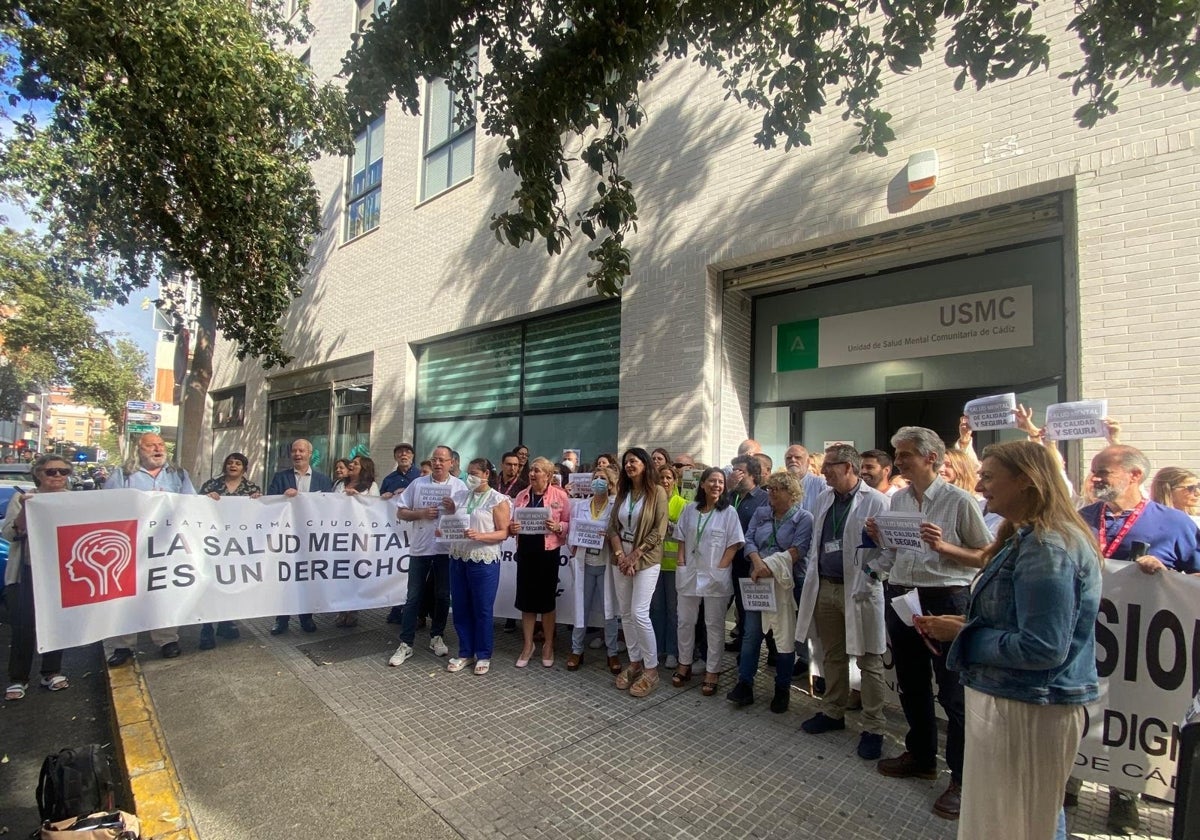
pixel 1005 585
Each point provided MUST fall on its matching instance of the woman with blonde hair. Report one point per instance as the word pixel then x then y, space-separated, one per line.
pixel 537 557
pixel 958 469
pixel 1177 488
pixel 1026 649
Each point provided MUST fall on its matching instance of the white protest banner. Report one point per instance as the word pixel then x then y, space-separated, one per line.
pixel 121 561
pixel 1146 653
pixel 1076 420
pixel 431 495
pixel 579 485
pixel 532 520
pixel 586 533
pixel 453 526
pixel 995 412
pixel 900 530
pixel 758 597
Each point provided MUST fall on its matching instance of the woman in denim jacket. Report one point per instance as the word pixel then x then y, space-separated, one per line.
pixel 1025 649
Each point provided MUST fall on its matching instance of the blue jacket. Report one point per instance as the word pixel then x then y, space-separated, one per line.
pixel 286 480
pixel 1031 623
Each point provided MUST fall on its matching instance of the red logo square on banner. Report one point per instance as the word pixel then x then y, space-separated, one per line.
pixel 97 562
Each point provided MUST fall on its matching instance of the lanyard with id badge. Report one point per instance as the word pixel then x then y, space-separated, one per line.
pixel 834 545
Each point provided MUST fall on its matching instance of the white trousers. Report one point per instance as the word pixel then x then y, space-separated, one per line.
pixel 633 597
pixel 1015 767
pixel 687 608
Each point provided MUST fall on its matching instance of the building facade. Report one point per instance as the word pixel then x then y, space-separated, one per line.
pixel 793 296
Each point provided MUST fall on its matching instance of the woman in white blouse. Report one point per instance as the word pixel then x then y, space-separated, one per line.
pixel 475 566
pixel 709 534
pixel 359 481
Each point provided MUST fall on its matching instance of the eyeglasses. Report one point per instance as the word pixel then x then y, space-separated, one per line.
pixel 1191 488
pixel 61 472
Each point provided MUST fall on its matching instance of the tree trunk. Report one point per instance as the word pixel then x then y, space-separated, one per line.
pixel 190 449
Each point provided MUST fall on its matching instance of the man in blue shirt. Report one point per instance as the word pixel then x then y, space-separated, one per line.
pixel 149 472
pixel 406 471
pixel 1121 517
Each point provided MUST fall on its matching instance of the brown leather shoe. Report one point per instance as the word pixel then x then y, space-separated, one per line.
pixel 614 665
pixel 574 661
pixel 904 766
pixel 949 803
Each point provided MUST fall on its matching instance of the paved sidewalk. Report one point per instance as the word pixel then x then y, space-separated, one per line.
pixel 313 733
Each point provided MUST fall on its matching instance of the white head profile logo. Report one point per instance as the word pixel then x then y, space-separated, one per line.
pixel 98 558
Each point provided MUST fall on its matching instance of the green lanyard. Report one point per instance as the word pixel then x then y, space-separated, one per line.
pixel 839 525
pixel 479 497
pixel 631 504
pixel 775 527
pixel 701 525
pixel 737 500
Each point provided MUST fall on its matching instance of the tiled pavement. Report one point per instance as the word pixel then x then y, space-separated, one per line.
pixel 546 753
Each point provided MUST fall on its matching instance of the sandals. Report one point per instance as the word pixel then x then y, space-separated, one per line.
pixel 682 675
pixel 707 688
pixel 55 682
pixel 16 691
pixel 626 677
pixel 644 684
pixel 482 667
pixel 459 664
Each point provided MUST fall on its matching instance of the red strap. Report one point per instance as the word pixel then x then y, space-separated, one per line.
pixel 1107 549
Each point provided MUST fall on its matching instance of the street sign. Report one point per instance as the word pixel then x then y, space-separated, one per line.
pixel 143 428
pixel 142 405
pixel 142 417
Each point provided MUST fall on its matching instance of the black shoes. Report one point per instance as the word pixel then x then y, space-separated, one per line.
pixel 396 615
pixel 119 657
pixel 742 694
pixel 307 624
pixel 170 650
pixel 208 639
pixel 779 702
pixel 820 723
pixel 281 626
pixel 228 630
pixel 1122 813
pixel 870 746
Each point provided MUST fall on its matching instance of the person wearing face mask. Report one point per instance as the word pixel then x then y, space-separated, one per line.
pixel 593 581
pixel 475 566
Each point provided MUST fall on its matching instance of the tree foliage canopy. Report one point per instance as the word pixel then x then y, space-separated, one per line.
pixel 553 69
pixel 48 336
pixel 174 138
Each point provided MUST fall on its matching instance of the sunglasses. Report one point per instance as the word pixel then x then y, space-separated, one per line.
pixel 60 472
pixel 680 466
pixel 1191 488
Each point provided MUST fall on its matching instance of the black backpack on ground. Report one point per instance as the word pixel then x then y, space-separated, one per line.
pixel 75 783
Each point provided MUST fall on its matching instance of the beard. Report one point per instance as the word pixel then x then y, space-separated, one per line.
pixel 1109 492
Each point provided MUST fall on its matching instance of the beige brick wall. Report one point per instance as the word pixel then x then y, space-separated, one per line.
pixel 710 200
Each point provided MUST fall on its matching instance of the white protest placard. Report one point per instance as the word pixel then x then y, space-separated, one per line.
pixel 758 597
pixel 579 485
pixel 431 495
pixel 586 533
pixel 689 482
pixel 1076 420
pixel 453 526
pixel 900 530
pixel 907 605
pixel 994 412
pixel 531 519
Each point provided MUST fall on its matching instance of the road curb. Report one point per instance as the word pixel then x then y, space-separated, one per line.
pixel 158 798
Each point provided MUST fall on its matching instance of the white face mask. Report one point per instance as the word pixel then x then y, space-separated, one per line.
pixel 474 482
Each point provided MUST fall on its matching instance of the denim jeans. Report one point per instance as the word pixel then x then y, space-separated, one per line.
pixel 752 639
pixel 418 568
pixel 664 615
pixel 473 589
pixel 593 590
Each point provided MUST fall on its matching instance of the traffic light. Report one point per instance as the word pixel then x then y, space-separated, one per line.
pixel 21 444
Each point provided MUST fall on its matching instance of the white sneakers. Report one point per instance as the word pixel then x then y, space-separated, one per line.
pixel 402 653
pixel 405 651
